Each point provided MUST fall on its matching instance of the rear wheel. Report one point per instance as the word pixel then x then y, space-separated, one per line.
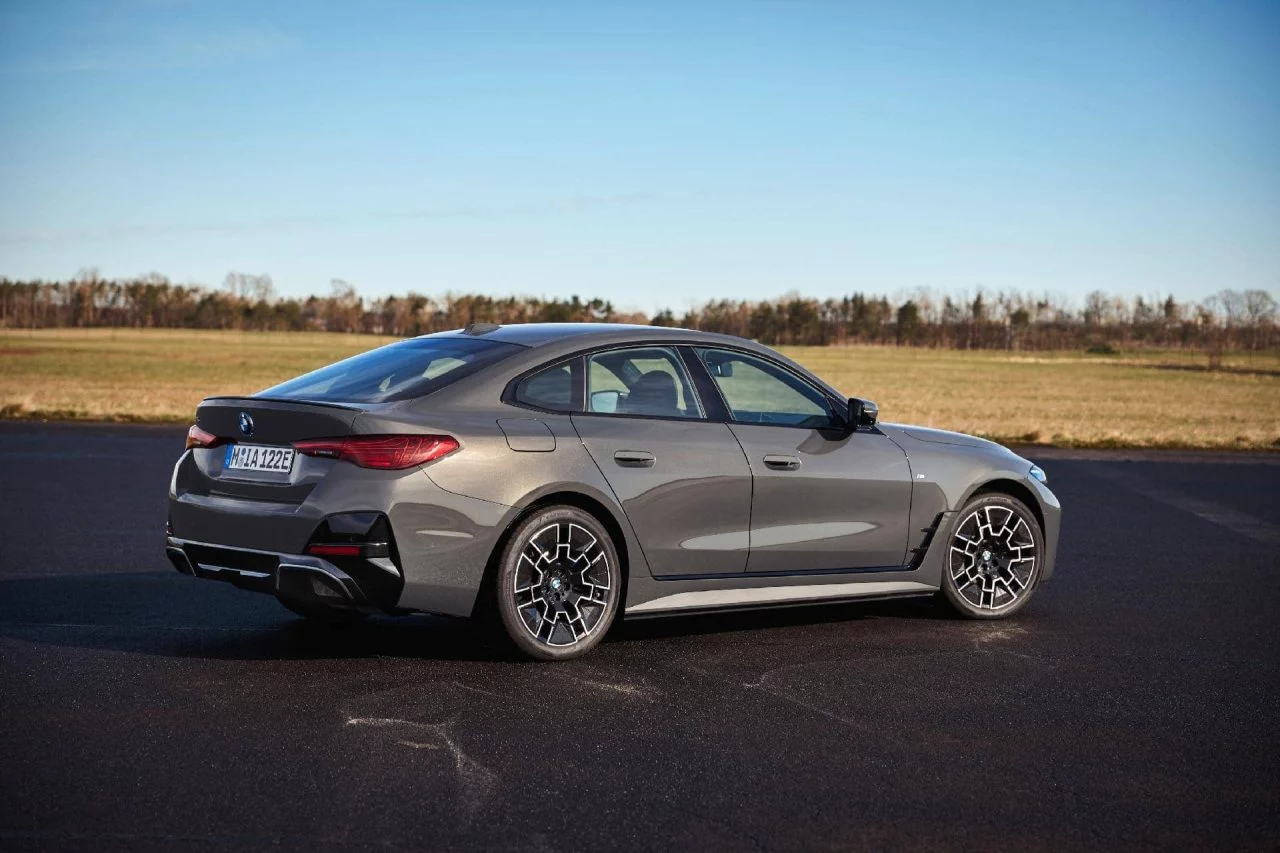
pixel 994 560
pixel 558 584
pixel 325 614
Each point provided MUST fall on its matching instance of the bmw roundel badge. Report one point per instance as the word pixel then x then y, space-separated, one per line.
pixel 246 423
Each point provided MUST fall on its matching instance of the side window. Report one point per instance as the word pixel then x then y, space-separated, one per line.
pixel 640 381
pixel 548 389
pixel 758 392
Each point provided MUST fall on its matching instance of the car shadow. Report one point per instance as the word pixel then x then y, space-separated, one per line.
pixel 166 614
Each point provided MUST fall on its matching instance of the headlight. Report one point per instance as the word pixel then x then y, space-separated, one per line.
pixel 1038 473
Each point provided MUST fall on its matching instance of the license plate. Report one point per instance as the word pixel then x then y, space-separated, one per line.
pixel 258 457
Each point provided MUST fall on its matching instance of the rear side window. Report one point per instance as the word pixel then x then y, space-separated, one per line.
pixel 399 371
pixel 550 389
pixel 643 381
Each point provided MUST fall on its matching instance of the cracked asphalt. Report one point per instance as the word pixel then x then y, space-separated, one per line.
pixel 1134 704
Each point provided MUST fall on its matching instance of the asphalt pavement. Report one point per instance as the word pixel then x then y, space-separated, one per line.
pixel 1134 704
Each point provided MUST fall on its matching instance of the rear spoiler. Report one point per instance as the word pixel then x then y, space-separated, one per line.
pixel 231 398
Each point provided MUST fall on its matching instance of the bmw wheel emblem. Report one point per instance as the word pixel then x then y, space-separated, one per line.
pixel 246 423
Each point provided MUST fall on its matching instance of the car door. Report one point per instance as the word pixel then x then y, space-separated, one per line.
pixel 824 498
pixel 682 479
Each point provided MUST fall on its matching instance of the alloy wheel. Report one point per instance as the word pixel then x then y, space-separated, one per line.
pixel 561 584
pixel 993 558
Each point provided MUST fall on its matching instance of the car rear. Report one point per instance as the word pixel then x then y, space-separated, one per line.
pixel 291 491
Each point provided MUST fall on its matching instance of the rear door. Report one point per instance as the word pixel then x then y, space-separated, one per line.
pixel 824 498
pixel 683 480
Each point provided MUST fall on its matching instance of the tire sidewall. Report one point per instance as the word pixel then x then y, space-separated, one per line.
pixel 957 601
pixel 505 578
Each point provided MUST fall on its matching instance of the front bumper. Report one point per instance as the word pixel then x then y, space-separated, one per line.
pixel 369 583
pixel 1051 510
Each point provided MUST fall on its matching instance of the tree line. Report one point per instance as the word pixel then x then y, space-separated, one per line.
pixel 1229 320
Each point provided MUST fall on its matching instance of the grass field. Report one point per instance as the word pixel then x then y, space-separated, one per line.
pixel 1148 399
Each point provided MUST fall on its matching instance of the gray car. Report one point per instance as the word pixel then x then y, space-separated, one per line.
pixel 558 476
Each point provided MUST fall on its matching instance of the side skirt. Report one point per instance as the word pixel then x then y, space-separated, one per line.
pixel 721 600
pixel 718 601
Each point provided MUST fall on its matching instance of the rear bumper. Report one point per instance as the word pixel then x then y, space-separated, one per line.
pixel 297 577
pixel 443 540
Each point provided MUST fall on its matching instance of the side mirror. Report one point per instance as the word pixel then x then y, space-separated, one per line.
pixel 862 413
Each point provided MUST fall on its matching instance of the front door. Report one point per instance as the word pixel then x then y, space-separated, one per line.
pixel 824 498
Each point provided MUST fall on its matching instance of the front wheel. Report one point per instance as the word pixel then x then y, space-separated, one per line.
pixel 559 583
pixel 994 559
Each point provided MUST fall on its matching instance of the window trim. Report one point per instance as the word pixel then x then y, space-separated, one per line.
pixel 714 409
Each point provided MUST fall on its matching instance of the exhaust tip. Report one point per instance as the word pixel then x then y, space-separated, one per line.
pixel 309 583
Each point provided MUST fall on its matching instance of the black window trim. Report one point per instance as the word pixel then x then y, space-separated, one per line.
pixel 713 403
pixel 714 408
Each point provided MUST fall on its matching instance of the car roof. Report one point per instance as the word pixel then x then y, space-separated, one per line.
pixel 581 334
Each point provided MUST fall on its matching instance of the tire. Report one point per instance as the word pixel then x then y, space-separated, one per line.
pixel 994 558
pixel 559 583
pixel 325 614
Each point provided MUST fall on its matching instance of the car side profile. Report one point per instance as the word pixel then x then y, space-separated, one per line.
pixel 562 476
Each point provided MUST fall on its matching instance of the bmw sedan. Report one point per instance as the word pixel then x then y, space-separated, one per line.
pixel 559 477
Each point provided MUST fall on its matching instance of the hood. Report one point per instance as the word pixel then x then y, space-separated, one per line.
pixel 910 432
pixel 939 436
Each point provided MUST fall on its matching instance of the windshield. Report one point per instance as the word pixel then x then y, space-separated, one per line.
pixel 398 371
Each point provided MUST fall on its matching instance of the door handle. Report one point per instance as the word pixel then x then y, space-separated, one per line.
pixel 634 458
pixel 781 463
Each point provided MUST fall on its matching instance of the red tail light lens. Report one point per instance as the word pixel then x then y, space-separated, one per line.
pixel 197 437
pixel 388 452
pixel 335 550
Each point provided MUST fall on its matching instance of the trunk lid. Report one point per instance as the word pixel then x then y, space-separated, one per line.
pixel 276 422
pixel 272 423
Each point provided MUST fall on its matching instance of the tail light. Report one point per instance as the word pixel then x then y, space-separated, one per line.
pixel 387 452
pixel 197 437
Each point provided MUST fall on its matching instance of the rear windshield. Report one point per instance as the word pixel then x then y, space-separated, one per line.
pixel 398 371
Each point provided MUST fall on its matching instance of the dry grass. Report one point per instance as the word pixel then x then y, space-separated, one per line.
pixel 151 375
pixel 1069 399
pixel 1133 400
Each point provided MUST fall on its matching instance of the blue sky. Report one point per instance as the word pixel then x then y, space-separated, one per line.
pixel 652 153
